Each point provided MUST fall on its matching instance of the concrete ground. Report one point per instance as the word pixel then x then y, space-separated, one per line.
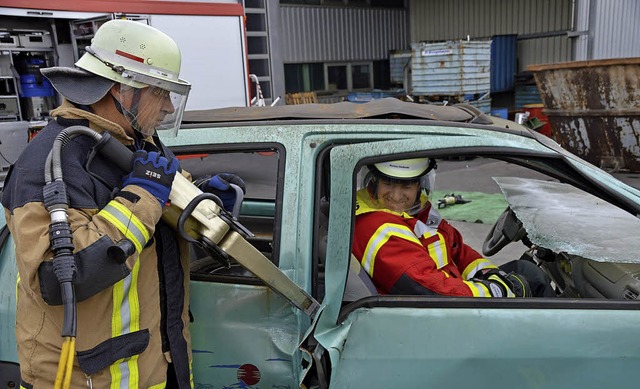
pixel 464 175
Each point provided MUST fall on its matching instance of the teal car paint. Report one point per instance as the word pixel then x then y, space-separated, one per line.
pixel 8 279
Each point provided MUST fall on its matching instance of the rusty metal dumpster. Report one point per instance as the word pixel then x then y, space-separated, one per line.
pixel 594 109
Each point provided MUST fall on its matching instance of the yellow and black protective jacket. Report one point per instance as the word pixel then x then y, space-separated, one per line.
pixel 132 317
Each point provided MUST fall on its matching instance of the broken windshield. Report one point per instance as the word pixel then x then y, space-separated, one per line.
pixel 565 219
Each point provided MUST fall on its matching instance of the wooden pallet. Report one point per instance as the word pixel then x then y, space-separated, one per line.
pixel 301 98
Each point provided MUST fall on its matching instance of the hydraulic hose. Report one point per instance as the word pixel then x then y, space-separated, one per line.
pixel 53 165
pixel 61 241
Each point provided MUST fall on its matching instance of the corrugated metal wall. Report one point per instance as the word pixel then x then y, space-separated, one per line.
pixel 543 50
pixel 326 34
pixel 455 19
pixel 616 29
pixel 581 40
pixel 437 20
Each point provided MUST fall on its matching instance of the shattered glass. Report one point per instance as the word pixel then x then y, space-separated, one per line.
pixel 565 219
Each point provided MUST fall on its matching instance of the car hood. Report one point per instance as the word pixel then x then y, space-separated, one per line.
pixel 565 219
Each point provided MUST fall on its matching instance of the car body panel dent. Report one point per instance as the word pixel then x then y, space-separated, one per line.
pixel 264 327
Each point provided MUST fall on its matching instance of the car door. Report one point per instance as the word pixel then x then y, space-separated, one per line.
pixel 243 334
pixel 419 341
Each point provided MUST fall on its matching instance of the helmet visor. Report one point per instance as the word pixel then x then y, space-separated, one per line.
pixel 171 121
pixel 152 108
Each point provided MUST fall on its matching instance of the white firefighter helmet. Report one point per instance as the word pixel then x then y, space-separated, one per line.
pixel 422 170
pixel 142 59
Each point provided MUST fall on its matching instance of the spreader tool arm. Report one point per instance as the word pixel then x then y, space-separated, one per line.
pixel 208 224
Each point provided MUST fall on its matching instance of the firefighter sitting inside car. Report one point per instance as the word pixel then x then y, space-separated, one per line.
pixel 408 248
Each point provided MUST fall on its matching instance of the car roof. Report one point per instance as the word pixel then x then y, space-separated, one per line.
pixel 375 109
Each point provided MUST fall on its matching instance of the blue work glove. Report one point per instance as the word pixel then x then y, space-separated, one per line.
pixel 220 186
pixel 153 173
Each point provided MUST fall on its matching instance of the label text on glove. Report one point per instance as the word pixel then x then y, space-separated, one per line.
pixel 153 174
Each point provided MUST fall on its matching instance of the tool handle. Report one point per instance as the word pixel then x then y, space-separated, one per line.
pixel 117 153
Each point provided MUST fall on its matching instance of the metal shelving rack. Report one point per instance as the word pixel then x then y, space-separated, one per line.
pixel 83 30
pixel 9 98
pixel 10 79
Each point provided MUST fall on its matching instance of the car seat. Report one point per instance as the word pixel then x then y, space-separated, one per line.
pixel 359 284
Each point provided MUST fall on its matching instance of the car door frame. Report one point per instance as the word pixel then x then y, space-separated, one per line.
pixel 425 340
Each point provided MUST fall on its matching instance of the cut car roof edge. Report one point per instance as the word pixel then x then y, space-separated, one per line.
pixel 502 126
pixel 382 108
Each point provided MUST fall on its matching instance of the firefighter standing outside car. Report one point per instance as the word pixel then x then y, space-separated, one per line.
pixel 408 248
pixel 132 316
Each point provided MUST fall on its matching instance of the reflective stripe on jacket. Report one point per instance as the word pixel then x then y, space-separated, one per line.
pixel 414 255
pixel 123 309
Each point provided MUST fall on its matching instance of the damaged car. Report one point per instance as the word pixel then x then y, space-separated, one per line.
pixel 524 197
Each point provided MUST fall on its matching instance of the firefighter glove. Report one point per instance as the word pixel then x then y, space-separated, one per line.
pixel 154 173
pixel 512 284
pixel 519 285
pixel 220 185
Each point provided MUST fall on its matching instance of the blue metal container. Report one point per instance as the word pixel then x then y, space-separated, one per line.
pixel 526 94
pixel 500 112
pixel 364 97
pixel 503 62
pixel 450 68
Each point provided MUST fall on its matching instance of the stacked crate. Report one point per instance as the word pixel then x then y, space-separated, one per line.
pixel 398 63
pixel 453 71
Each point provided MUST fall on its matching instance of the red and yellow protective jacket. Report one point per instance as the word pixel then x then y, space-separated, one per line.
pixel 424 254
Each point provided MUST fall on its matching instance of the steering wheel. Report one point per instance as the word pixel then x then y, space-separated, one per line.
pixel 506 229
